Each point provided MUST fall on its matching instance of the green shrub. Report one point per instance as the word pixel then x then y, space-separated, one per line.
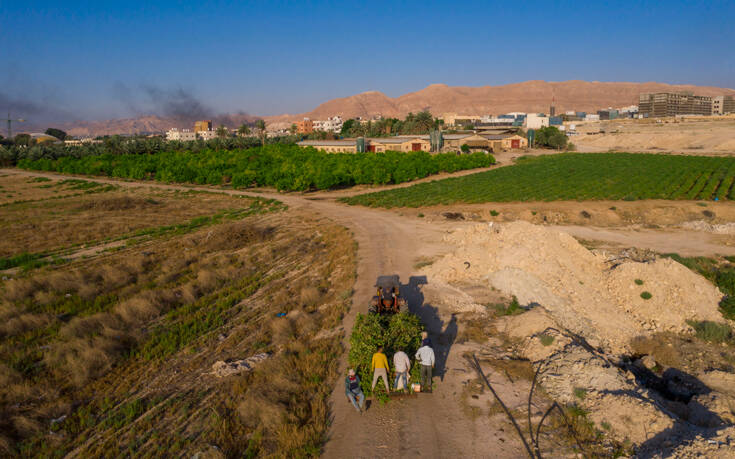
pixel 393 332
pixel 646 295
pixel 547 340
pixel 511 309
pixel 713 332
pixel 494 213
pixel 638 282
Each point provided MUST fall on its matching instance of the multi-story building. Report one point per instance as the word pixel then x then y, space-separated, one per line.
pixel 205 125
pixel 672 104
pixel 332 124
pixel 722 105
pixel 207 134
pixel 536 121
pixel 182 136
pixel 305 126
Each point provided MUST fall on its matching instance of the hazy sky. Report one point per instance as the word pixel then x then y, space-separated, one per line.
pixel 87 60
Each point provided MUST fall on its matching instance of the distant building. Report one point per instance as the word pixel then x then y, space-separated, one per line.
pixel 331 124
pixel 182 136
pixel 305 126
pixel 207 134
pixel 205 125
pixel 722 105
pixel 608 114
pixel 451 142
pixel 80 142
pixel 672 104
pixel 535 121
pixel 453 119
pixel 592 117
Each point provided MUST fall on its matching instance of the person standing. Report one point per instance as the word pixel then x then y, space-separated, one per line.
pixel 380 368
pixel 402 364
pixel 425 356
pixel 353 391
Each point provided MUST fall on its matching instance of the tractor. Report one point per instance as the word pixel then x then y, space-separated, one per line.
pixel 388 299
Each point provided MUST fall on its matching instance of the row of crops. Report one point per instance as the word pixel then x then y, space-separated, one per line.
pixel 575 176
pixel 285 167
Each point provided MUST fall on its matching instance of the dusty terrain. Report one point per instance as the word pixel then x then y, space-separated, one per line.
pixel 692 135
pixel 459 418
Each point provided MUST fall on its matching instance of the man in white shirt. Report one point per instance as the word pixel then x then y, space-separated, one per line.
pixel 425 356
pixel 402 364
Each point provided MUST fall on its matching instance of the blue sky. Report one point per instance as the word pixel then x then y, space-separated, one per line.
pixel 88 60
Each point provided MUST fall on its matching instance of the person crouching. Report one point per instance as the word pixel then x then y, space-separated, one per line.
pixel 353 391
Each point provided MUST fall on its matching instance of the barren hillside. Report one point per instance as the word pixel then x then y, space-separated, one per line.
pixel 529 96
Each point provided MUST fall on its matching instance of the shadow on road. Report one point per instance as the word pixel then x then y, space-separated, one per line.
pixel 442 335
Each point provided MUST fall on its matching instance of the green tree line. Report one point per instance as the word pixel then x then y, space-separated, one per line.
pixel 283 166
pixel 11 153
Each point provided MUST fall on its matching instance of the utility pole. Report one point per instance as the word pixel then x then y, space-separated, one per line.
pixel 10 122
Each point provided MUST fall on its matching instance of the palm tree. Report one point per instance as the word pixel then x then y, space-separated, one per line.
pixel 424 121
pixel 260 124
pixel 222 132
pixel 243 130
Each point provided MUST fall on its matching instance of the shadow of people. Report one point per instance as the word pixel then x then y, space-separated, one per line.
pixel 445 342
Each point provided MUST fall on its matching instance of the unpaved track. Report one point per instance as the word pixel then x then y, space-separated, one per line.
pixel 428 425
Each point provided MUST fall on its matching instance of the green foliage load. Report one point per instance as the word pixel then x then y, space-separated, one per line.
pixel 574 176
pixel 285 167
pixel 394 332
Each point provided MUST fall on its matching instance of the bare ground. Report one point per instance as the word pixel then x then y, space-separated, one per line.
pixel 429 425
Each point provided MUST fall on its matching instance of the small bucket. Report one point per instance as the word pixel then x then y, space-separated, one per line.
pixel 416 387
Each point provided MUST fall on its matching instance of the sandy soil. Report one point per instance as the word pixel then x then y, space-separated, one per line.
pixel 695 135
pixel 429 425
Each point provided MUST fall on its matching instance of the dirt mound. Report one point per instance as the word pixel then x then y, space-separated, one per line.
pixel 607 300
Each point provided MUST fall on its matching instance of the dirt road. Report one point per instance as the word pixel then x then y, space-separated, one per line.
pixel 427 425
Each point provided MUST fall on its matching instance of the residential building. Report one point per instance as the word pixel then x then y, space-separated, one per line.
pixel 536 121
pixel 672 104
pixel 205 125
pixel 331 124
pixel 592 117
pixel 184 135
pixel 305 126
pixel 80 142
pixel 722 105
pixel 208 134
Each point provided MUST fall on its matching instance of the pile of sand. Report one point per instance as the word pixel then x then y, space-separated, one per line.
pixel 588 294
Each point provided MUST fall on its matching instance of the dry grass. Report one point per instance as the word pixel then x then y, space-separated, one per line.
pixel 132 332
pixel 48 225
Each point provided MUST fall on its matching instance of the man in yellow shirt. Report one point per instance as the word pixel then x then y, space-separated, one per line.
pixel 380 368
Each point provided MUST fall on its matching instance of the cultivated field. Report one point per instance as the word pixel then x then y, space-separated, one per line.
pixel 107 349
pixel 574 176
pixel 284 167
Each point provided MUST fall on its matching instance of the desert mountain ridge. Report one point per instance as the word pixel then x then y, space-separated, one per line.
pixel 528 96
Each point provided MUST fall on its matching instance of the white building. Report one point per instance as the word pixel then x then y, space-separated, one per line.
pixel 207 135
pixel 182 136
pixel 592 117
pixel 331 124
pixel 534 121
